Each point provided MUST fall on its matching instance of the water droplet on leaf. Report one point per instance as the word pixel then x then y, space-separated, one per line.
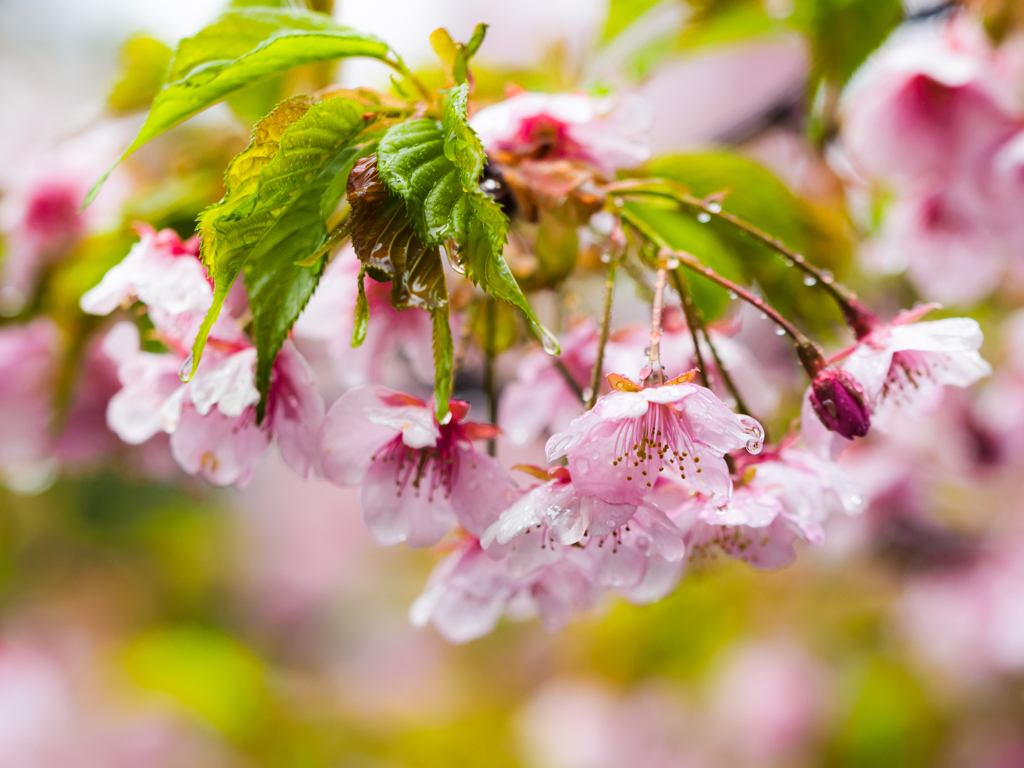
pixel 703 217
pixel 810 280
pixel 185 372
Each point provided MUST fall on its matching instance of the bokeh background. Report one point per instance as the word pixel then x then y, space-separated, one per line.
pixel 147 619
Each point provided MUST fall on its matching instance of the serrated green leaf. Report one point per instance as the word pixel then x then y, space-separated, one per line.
pixel 444 356
pixel 275 217
pixel 471 48
pixel 241 48
pixel 144 62
pixel 436 170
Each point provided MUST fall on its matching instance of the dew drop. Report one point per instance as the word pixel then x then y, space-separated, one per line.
pixel 764 315
pixel 582 465
pixel 789 262
pixel 549 342
pixel 587 393
pixel 780 331
pixel 857 500
pixel 703 217
pixel 810 280
pixel 714 207
pixel 672 264
pixel 185 372
pixel 606 257
pixel 732 295
pixel 619 202
pixel 826 276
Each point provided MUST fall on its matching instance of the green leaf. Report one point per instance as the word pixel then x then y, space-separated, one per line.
pixel 843 33
pixel 144 63
pixel 276 216
pixel 756 196
pixel 621 14
pixel 684 233
pixel 470 49
pixel 362 314
pixel 436 170
pixel 444 356
pixel 241 48
pixel 387 245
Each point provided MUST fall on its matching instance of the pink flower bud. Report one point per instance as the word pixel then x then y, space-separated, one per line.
pixel 839 401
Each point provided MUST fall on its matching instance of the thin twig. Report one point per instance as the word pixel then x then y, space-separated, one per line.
pixel 489 379
pixel 602 340
pixel 570 380
pixel 691 312
pixel 465 334
pixel 857 315
pixel 399 66
pixel 693 263
pixel 654 356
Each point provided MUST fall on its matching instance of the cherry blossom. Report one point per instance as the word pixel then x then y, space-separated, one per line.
pixel 935 116
pixel 615 543
pixel 617 450
pixel 469 591
pixel 419 478
pixel 41 213
pixel 28 375
pixel 571 126
pixel 161 271
pixel 540 400
pixel 904 365
pixel 779 497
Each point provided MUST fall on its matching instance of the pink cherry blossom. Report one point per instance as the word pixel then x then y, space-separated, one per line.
pixel 613 543
pixel 469 591
pixel 41 213
pixel 395 341
pixel 968 621
pixel 617 450
pixel 540 400
pixel 774 693
pixel 161 271
pixel 935 116
pixel 780 497
pixel 28 374
pixel 574 126
pixel 904 365
pixel 419 478
pixel 627 345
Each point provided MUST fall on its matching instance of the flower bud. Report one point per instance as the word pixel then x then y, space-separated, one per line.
pixel 839 401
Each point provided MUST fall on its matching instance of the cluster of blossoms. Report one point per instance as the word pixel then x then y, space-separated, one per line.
pixel 935 118
pixel 642 475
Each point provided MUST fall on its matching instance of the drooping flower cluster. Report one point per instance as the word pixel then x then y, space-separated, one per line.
pixel 211 419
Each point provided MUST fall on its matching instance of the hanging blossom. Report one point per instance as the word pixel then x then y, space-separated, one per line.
pixel 903 365
pixel 604 133
pixel 784 495
pixel 626 351
pixel 212 417
pixel 624 546
pixel 419 478
pixel 935 116
pixel 29 363
pixel 391 337
pixel 540 400
pixel 41 214
pixel 634 435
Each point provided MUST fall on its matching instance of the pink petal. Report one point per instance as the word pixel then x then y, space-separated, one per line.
pixel 348 440
pixel 417 517
pixel 226 450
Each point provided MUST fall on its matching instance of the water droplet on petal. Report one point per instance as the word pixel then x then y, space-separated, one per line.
pixel 764 315
pixel 810 280
pixel 703 217
pixel 185 372
pixel 780 331
pixel 732 295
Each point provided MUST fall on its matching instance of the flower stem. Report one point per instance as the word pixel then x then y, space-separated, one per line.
pixel 657 375
pixel 490 386
pixel 399 66
pixel 691 312
pixel 602 339
pixel 693 263
pixel 858 317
